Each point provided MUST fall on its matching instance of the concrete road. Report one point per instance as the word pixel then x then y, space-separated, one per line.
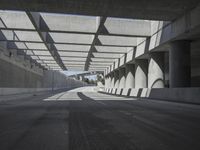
pixel 78 120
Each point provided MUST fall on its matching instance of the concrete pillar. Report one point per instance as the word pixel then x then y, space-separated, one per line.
pixel 106 82
pixel 156 70
pixel 112 85
pixel 122 77
pixel 179 64
pixel 116 78
pixel 130 76
pixel 141 71
pixel 80 77
pixel 109 81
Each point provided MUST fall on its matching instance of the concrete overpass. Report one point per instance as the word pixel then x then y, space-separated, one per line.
pixel 147 50
pixel 154 9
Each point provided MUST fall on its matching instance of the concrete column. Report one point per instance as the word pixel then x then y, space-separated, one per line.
pixel 141 71
pixel 156 70
pixel 130 76
pixel 122 77
pixel 179 64
pixel 112 80
pixel 109 81
pixel 116 78
pixel 106 82
pixel 81 78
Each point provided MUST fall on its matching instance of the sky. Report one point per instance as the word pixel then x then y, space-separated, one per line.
pixel 68 73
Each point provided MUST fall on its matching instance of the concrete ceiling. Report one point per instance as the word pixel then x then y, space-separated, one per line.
pixel 76 42
pixel 66 41
pixel 137 9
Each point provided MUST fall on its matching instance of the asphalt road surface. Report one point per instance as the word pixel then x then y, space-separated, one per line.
pixel 84 120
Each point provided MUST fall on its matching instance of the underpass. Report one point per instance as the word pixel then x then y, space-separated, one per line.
pixel 99 75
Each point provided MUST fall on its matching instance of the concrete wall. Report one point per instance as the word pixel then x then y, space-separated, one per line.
pixel 18 75
pixel 188 95
pixel 14 76
pixel 12 91
pixel 195 63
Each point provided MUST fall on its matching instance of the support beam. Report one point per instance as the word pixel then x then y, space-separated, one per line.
pixel 106 82
pixel 46 30
pixel 130 76
pixel 116 79
pixel 109 81
pixel 141 73
pixel 156 70
pixel 122 77
pixel 34 17
pixel 112 76
pixel 92 48
pixel 49 42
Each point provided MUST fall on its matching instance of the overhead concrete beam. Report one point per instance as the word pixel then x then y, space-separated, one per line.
pixel 48 41
pixel 46 30
pixel 92 48
pixel 102 60
pixel 117 40
pixel 110 49
pixel 101 63
pixel 133 27
pixel 143 9
pixel 34 17
pixel 106 55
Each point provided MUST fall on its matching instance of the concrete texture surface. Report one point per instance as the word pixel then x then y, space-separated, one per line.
pixel 19 78
pixel 156 71
pixel 163 33
pixel 183 95
pixel 78 120
pixel 143 9
pixel 179 64
pixel 130 76
pixel 141 73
